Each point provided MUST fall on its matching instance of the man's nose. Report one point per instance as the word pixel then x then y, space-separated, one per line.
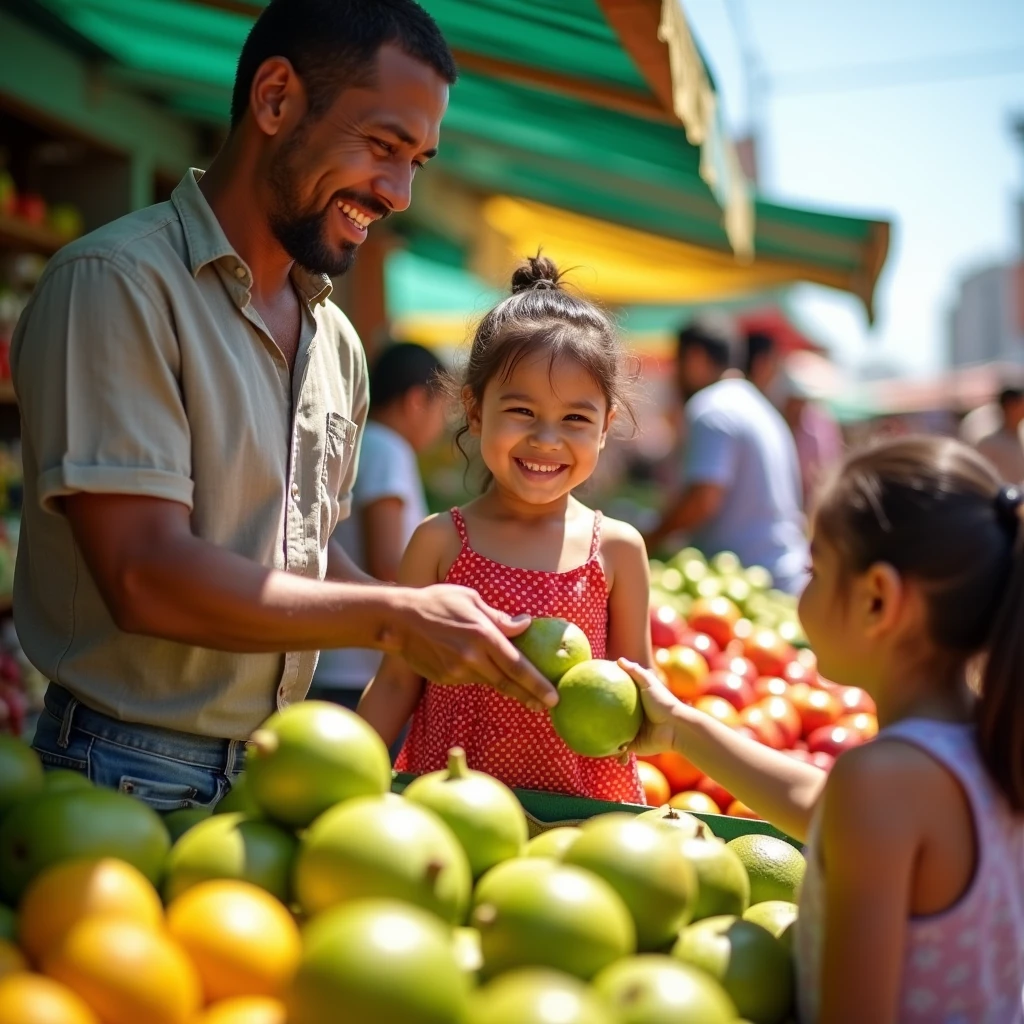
pixel 394 188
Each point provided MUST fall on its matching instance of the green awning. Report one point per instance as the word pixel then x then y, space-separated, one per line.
pixel 600 107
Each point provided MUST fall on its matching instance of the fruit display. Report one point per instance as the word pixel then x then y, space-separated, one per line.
pixel 429 907
pixel 729 645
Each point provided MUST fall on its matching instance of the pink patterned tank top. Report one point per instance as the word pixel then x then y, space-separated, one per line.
pixel 499 735
pixel 966 964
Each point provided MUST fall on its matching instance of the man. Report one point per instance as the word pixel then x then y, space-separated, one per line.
pixel 407 405
pixel 1003 446
pixel 191 407
pixel 741 488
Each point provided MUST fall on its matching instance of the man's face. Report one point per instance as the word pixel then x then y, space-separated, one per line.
pixel 694 371
pixel 334 175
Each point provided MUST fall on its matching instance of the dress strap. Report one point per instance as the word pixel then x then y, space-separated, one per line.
pixel 595 543
pixel 460 525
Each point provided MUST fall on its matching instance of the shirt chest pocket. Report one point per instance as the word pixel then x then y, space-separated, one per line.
pixel 335 472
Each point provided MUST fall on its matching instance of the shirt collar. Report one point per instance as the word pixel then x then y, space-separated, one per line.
pixel 207 242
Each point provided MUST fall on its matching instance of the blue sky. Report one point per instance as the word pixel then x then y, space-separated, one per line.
pixel 937 157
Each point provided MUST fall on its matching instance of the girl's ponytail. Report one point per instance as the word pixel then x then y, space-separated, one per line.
pixel 1000 709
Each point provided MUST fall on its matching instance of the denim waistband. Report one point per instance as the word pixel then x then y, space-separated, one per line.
pixel 227 756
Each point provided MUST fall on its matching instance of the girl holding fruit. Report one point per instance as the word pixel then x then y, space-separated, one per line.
pixel 912 908
pixel 544 384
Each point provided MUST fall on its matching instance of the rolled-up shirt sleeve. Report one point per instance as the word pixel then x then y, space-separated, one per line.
pixel 711 451
pixel 97 380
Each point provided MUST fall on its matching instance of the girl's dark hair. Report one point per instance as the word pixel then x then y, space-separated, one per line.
pixel 542 316
pixel 937 512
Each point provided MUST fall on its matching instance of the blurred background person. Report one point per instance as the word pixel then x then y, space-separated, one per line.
pixel 741 487
pixel 804 382
pixel 1002 446
pixel 407 407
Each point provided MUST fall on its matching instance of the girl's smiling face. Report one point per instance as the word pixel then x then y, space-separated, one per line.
pixel 541 426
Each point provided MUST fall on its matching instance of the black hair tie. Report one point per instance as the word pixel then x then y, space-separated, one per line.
pixel 1008 502
pixel 544 284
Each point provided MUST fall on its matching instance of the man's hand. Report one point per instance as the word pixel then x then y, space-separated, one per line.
pixel 451 637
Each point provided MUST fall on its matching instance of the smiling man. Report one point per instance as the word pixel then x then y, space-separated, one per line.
pixel 192 405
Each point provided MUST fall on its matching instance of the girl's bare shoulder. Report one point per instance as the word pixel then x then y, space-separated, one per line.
pixel 437 541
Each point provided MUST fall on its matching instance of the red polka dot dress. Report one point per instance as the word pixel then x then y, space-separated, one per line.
pixel 499 735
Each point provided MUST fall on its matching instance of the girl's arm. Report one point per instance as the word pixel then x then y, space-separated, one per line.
pixel 781 789
pixel 629 576
pixel 390 699
pixel 870 845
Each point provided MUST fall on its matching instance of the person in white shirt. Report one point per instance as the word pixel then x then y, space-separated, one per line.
pixel 406 417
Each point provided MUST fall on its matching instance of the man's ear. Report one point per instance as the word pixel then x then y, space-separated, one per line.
pixel 277 97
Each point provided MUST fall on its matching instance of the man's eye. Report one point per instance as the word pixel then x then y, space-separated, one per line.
pixel 386 146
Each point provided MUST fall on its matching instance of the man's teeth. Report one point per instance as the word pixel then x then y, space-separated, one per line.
pixel 536 467
pixel 355 215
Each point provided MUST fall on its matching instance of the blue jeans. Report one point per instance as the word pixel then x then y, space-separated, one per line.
pixel 166 769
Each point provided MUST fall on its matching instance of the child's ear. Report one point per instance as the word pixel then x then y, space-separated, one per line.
pixel 608 421
pixel 472 407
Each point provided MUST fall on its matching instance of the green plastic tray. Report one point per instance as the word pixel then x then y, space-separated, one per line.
pixel 549 810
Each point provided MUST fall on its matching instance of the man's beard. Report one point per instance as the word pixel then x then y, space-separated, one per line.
pixel 303 235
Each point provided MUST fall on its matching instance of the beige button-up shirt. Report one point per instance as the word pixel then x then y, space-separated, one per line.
pixel 141 367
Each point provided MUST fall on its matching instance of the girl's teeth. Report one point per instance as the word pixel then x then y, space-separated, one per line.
pixel 534 467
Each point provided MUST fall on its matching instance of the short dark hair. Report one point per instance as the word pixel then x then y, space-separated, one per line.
pixel 401 367
pixel 716 335
pixel 1009 395
pixel 333 44
pixel 759 345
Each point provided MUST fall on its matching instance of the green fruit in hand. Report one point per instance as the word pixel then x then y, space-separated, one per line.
pixel 311 756
pixel 722 883
pixel 644 864
pixel 93 822
pixel 383 847
pixel 776 869
pixel 725 563
pixel 533 995
pixel 484 813
pixel 553 646
pixel 58 780
pixel 231 846
pixel 660 990
pixel 379 961
pixel 554 843
pixel 533 912
pixel 598 709
pixel 239 799
pixel 778 917
pixel 179 822
pixel 21 773
pixel 749 963
pixel 667 816
pixel 8 924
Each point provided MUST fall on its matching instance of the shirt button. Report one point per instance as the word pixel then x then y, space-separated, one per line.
pixel 295 491
pixel 240 272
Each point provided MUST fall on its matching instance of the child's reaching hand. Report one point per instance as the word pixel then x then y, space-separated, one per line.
pixel 657 732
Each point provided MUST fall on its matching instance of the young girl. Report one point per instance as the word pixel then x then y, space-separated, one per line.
pixel 912 908
pixel 543 384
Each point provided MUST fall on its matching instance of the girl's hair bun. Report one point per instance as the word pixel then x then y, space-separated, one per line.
pixel 538 273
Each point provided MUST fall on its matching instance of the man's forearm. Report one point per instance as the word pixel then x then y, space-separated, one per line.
pixel 690 510
pixel 195 593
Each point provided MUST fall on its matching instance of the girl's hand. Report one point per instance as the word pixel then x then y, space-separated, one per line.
pixel 657 733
